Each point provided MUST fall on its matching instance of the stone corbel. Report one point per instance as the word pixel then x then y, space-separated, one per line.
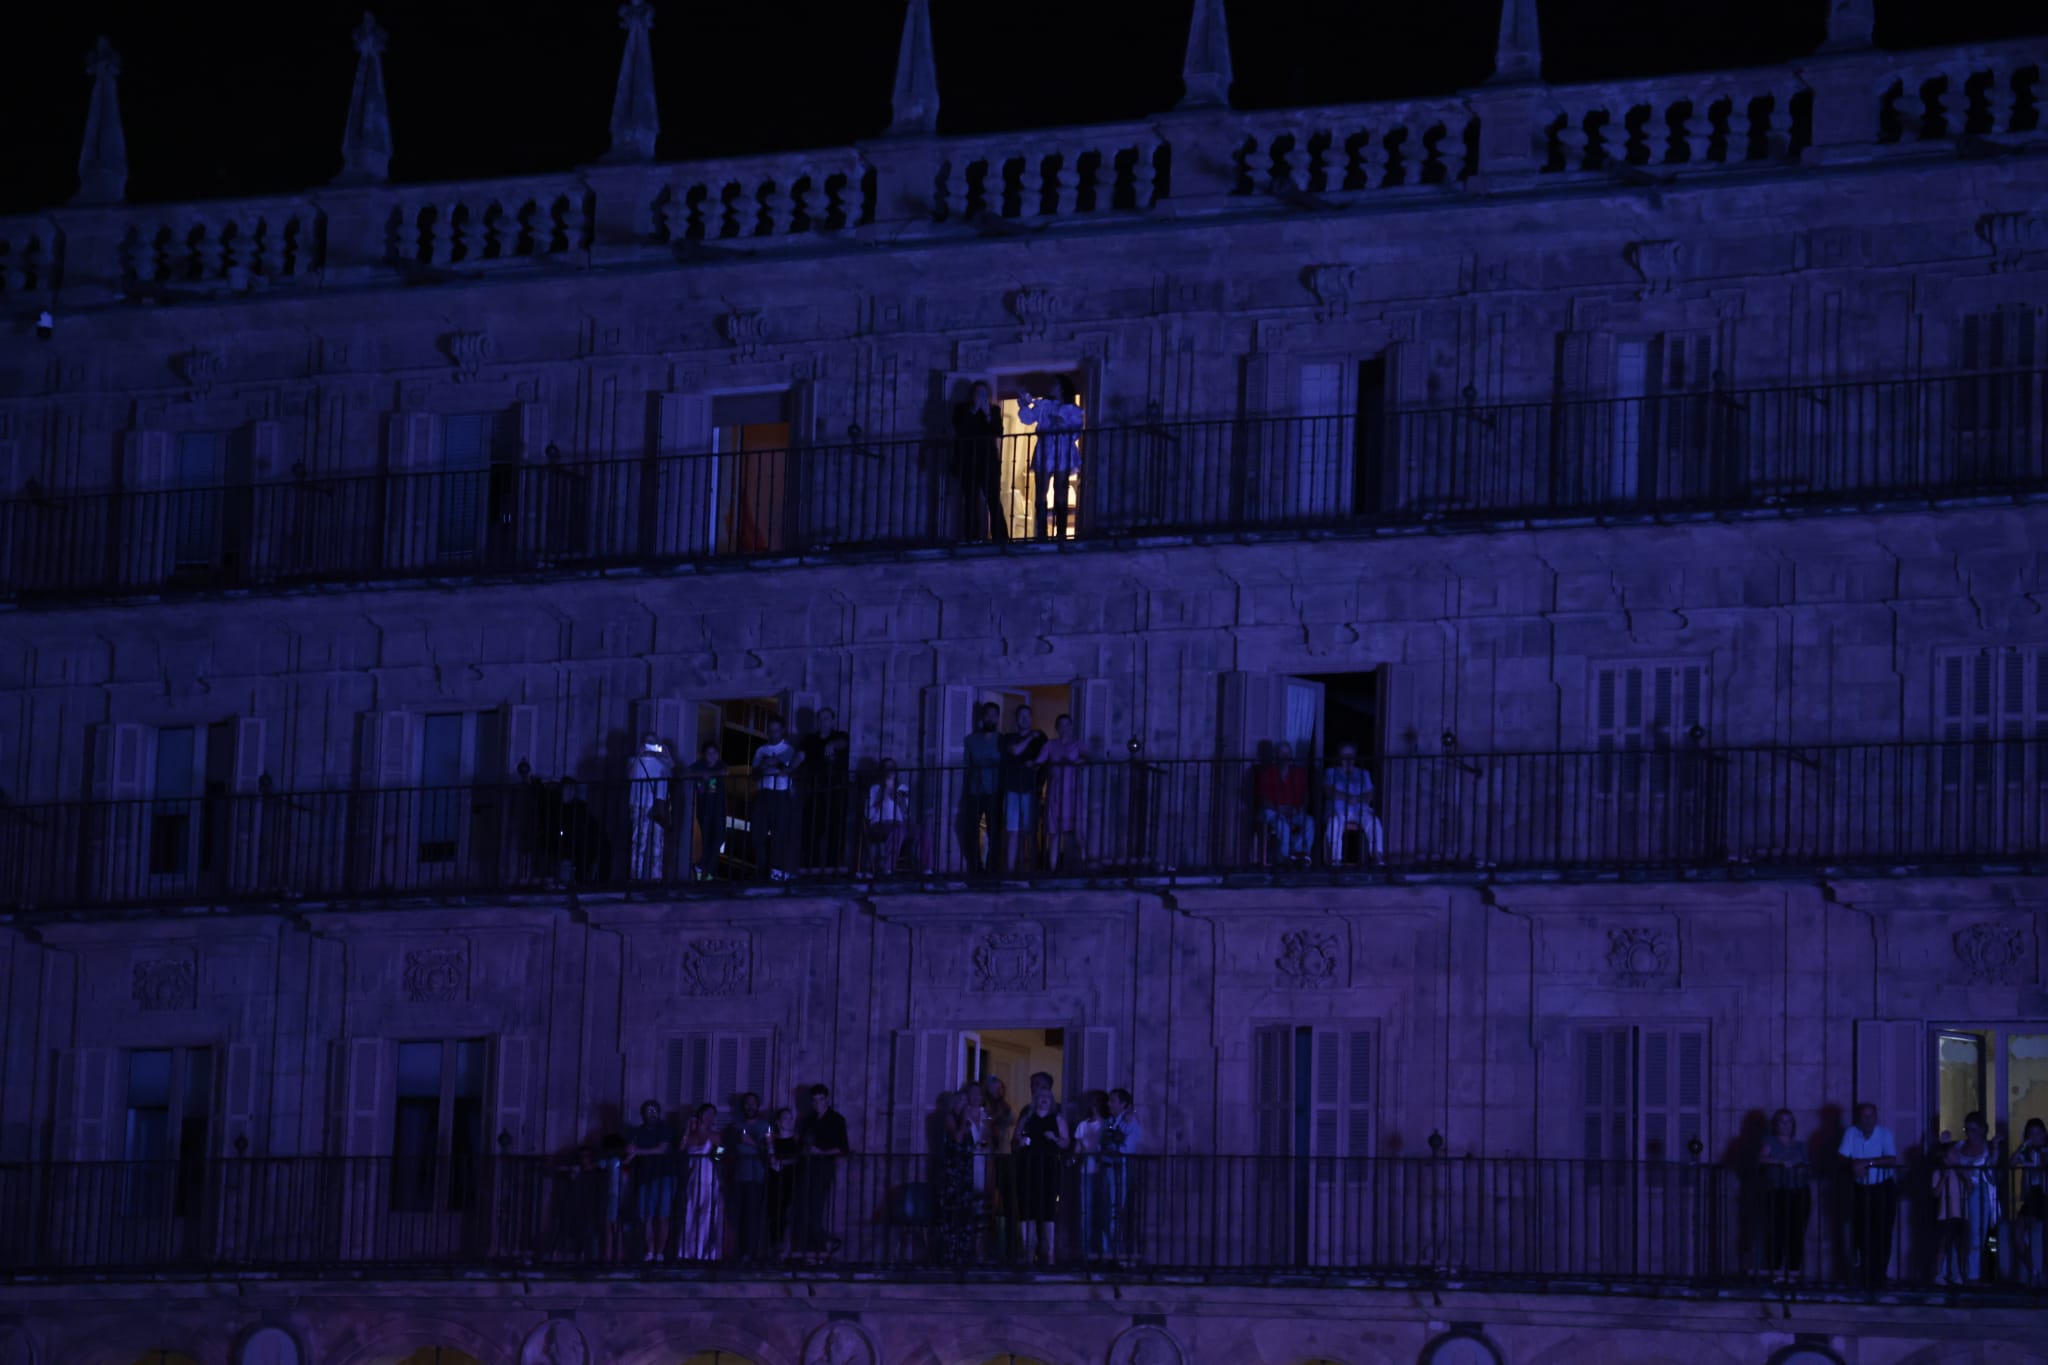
pixel 199 367
pixel 743 330
pixel 467 352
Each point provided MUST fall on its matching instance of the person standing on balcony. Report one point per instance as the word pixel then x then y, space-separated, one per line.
pixel 1063 758
pixel 1022 750
pixel 651 810
pixel 650 1150
pixel 1002 1174
pixel 778 822
pixel 824 1143
pixel 748 1141
pixel 1347 795
pixel 1788 1199
pixel 1966 1204
pixel 2030 1166
pixel 707 789
pixel 1281 787
pixel 824 779
pixel 1873 1159
pixel 785 1164
pixel 703 1233
pixel 1057 458
pixel 1041 1147
pixel 982 799
pixel 978 465
pixel 1122 1138
pixel 1094 1176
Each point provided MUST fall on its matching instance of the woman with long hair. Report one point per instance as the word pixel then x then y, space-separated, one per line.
pixel 1788 1199
pixel 785 1153
pixel 703 1235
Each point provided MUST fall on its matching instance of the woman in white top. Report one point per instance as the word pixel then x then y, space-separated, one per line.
pixel 1094 1177
pixel 1967 1203
pixel 890 823
pixel 1058 454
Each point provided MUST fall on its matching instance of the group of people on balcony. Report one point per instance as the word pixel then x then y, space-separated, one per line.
pixel 1970 1196
pixel 758 1188
pixel 1287 827
pixel 1056 420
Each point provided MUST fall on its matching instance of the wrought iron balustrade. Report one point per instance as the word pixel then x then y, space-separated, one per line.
pixel 1711 449
pixel 1648 811
pixel 1443 1220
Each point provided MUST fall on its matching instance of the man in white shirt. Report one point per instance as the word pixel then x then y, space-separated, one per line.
pixel 1873 1158
pixel 1122 1138
pixel 776 834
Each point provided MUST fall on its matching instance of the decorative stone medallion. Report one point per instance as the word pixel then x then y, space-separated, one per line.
pixel 438 975
pixel 1992 954
pixel 269 1346
pixel 555 1342
pixel 744 329
pixel 717 966
pixel 1639 957
pixel 467 352
pixel 1146 1345
pixel 1034 309
pixel 841 1343
pixel 1011 958
pixel 167 984
pixel 1311 959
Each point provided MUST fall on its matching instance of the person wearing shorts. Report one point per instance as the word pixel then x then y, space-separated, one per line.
pixel 651 1146
pixel 1023 752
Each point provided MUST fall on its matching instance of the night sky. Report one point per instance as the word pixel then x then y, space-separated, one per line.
pixel 228 97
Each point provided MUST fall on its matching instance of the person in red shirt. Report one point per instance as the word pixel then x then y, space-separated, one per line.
pixel 1281 787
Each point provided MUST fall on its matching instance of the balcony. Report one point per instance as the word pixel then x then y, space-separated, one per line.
pixel 1651 813
pixel 1727 451
pixel 1429 1223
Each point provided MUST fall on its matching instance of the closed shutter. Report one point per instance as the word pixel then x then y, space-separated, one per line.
pixel 1891 1073
pixel 413 459
pixel 684 508
pixel 1093 722
pixel 948 719
pixel 514 1084
pixel 717 1068
pixel 365 1096
pixel 673 721
pixel 923 1066
pixel 1273 1090
pixel 1341 1093
pixel 1673 1093
pixel 85 1104
pixel 536 422
pixel 147 460
pixel 1604 1058
pixel 1098 1061
pixel 391 756
pixel 123 773
pixel 239 1101
pixel 522 740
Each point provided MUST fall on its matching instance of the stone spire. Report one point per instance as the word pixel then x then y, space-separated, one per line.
pixel 1518 56
pixel 103 160
pixel 366 140
pixel 914 103
pixel 1850 25
pixel 1205 74
pixel 636 119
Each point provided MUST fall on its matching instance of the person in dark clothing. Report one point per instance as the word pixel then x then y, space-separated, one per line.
pixel 785 1162
pixel 978 465
pixel 824 1142
pixel 982 800
pixel 706 779
pixel 824 777
pixel 1022 752
pixel 584 848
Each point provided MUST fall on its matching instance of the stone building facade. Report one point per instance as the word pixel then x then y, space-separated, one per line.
pixel 1711 768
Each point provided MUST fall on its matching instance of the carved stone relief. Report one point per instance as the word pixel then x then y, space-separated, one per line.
pixel 467 352
pixel 437 975
pixel 167 984
pixel 841 1343
pixel 1311 959
pixel 199 368
pixel 1146 1345
pixel 555 1342
pixel 1011 958
pixel 1035 310
pixel 2011 236
pixel 1641 957
pixel 1331 285
pixel 717 966
pixel 1658 264
pixel 1992 954
pixel 743 330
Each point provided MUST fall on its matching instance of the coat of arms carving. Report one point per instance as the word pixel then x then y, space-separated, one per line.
pixel 1311 958
pixel 167 984
pixel 437 975
pixel 1992 954
pixel 1010 959
pixel 1639 957
pixel 716 966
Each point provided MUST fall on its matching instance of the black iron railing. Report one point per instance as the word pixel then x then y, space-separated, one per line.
pixel 1441 1219
pixel 1715 448
pixel 1643 810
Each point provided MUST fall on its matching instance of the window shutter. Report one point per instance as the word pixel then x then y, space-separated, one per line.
pixel 1689 1097
pixel 1273 1089
pixel 725 1081
pixel 238 1110
pixel 1606 712
pixel 147 461
pixel 266 450
pixel 250 756
pixel 690 1075
pixel 1326 1086
pixel 1098 1061
pixel 948 717
pixel 11 474
pixel 1606 1091
pixel 367 1096
pixel 522 730
pixel 85 1104
pixel 1357 1133
pixel 393 740
pixel 415 442
pixel 1092 719
pixel 920 1055
pixel 683 424
pixel 1891 1073
pixel 1657 1090
pixel 121 762
pixel 753 1077
pixel 514 1086
pixel 535 429
pixel 937 1063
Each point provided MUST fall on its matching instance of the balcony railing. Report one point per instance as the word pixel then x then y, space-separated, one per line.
pixel 1714 450
pixel 1443 1221
pixel 1645 811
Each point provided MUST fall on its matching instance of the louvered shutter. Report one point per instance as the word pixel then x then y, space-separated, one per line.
pixel 514 1082
pixel 1606 1091
pixel 366 1096
pixel 1098 1061
pixel 1357 1105
pixel 123 757
pixel 1273 1090
pixel 246 810
pixel 85 1104
pixel 147 462
pixel 1326 1093
pixel 239 1101
pixel 755 1054
pixel 690 1072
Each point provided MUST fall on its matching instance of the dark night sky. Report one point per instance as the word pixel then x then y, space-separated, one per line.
pixel 226 97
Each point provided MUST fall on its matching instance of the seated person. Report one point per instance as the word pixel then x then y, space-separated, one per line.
pixel 1281 787
pixel 891 825
pixel 1347 803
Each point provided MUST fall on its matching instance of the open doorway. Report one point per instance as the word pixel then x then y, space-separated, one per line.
pixel 1031 494
pixel 1014 1055
pixel 1351 712
pixel 750 433
pixel 740 727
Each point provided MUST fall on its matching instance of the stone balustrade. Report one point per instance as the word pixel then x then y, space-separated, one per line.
pixel 1985 92
pixel 1713 119
pixel 1358 147
pixel 1838 107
